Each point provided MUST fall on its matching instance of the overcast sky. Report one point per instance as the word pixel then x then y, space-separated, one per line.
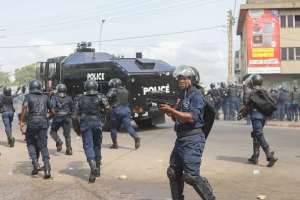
pixel 34 22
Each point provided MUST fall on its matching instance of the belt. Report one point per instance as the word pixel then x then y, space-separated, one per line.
pixel 89 116
pixel 196 131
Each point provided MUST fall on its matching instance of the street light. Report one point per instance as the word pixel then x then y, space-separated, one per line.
pixel 101 31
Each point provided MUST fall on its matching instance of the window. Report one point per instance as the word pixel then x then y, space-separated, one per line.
pixel 291 53
pixel 291 21
pixel 297 53
pixel 297 21
pixel 283 21
pixel 283 54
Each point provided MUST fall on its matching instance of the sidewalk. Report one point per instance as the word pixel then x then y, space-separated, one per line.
pixel 292 124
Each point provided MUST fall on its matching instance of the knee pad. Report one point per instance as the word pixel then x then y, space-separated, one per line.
pixel 171 173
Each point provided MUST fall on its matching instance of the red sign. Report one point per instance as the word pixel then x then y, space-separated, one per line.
pixel 263 41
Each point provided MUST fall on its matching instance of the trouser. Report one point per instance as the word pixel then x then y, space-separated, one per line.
pixel 91 138
pixel 184 166
pixel 37 140
pixel 65 123
pixel 295 111
pixel 258 135
pixel 226 109
pixel 121 116
pixel 7 118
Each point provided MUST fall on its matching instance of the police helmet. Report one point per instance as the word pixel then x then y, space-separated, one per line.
pixel 212 85
pixel 189 72
pixel 7 91
pixel 114 83
pixel 256 80
pixel 91 87
pixel 223 85
pixel 61 89
pixel 35 86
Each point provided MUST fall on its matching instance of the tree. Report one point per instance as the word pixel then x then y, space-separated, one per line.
pixel 4 78
pixel 24 74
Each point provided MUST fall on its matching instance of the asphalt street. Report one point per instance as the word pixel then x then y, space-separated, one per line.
pixel 141 174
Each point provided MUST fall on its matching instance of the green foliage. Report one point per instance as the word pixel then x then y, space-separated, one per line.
pixel 24 74
pixel 4 78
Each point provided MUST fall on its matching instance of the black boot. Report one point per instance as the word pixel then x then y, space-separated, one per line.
pixel 255 156
pixel 98 165
pixel 137 142
pixel 47 169
pixel 11 141
pixel 93 172
pixel 271 158
pixel 201 186
pixel 68 147
pixel 36 167
pixel 114 145
pixel 59 144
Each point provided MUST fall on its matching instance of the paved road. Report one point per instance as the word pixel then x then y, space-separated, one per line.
pixel 224 164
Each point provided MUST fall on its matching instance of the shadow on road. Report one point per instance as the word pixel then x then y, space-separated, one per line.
pixel 23 167
pixel 4 143
pixel 20 141
pixel 76 169
pixel 233 159
pixel 107 146
pixel 297 156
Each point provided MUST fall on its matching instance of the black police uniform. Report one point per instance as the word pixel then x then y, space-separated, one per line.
pixel 214 94
pixel 63 106
pixel 120 114
pixel 88 108
pixel 258 122
pixel 186 156
pixel 38 105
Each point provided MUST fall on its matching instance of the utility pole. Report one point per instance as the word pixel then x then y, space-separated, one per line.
pixel 101 32
pixel 230 22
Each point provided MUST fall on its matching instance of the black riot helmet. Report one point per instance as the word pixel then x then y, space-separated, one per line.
pixel 35 86
pixel 223 85
pixel 212 85
pixel 91 87
pixel 189 72
pixel 256 80
pixel 114 83
pixel 7 91
pixel 61 90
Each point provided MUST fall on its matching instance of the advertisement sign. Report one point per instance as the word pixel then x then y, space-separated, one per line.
pixel 263 41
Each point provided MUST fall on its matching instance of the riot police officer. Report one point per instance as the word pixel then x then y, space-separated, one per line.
pixel 120 114
pixel 214 94
pixel 8 110
pixel 63 106
pixel 37 105
pixel 186 156
pixel 88 108
pixel 225 100
pixel 233 98
pixel 295 103
pixel 258 122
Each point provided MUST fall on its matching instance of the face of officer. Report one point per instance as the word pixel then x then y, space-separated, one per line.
pixel 184 82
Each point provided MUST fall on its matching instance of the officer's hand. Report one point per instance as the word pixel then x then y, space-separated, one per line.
pixel 166 108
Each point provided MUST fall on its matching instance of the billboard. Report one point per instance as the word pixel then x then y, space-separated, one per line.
pixel 263 41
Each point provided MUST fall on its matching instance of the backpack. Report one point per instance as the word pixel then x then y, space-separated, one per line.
pixel 209 118
pixel 261 100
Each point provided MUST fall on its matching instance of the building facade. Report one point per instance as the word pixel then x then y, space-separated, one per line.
pixel 269 33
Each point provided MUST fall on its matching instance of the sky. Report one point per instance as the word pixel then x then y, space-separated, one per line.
pixel 66 22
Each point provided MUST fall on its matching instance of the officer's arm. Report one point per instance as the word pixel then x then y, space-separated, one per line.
pixel 50 108
pixel 22 114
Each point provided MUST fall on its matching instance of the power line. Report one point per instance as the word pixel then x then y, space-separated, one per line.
pixel 175 4
pixel 118 39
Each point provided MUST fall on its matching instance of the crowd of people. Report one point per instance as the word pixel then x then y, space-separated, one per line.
pixel 228 100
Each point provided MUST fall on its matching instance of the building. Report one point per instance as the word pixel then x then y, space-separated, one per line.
pixel 269 33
